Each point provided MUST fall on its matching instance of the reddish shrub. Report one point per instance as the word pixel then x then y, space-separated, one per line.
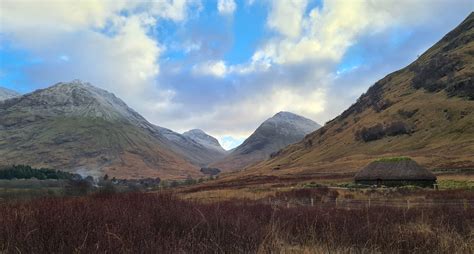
pixel 149 223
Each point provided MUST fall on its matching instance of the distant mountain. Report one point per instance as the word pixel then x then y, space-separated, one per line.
pixel 78 127
pixel 425 111
pixel 205 139
pixel 197 149
pixel 7 94
pixel 281 130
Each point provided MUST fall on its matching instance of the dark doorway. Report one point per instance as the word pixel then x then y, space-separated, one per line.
pixel 379 182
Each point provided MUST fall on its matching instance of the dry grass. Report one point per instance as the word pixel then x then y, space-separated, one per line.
pixel 164 224
pixel 441 127
pixel 229 194
pixel 456 177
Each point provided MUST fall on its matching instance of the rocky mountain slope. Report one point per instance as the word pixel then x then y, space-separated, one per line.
pixel 196 149
pixel 77 127
pixel 275 133
pixel 425 111
pixel 205 139
pixel 7 93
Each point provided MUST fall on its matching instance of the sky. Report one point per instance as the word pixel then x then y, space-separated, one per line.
pixel 223 66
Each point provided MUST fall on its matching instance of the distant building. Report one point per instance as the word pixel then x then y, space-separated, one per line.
pixel 395 172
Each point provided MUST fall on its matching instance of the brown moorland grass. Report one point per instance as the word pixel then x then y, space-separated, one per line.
pixel 162 223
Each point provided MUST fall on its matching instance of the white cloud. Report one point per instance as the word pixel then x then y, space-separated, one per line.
pixel 174 10
pixel 36 23
pixel 212 68
pixel 129 60
pixel 270 81
pixel 326 33
pixel 292 70
pixel 286 16
pixel 309 103
pixel 255 98
pixel 99 43
pixel 226 7
pixel 219 69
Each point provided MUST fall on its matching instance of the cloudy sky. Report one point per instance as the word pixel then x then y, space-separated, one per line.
pixel 220 65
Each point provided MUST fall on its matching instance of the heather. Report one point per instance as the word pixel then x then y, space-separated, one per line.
pixel 164 223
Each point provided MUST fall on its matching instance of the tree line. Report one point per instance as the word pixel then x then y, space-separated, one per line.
pixel 27 172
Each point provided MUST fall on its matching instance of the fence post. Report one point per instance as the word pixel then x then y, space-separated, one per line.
pixel 466 205
pixel 312 202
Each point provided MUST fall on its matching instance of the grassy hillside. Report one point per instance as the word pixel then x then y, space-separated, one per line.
pixel 92 145
pixel 425 111
pixel 80 128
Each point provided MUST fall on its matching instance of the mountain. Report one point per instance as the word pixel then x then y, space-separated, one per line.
pixel 7 94
pixel 425 111
pixel 78 127
pixel 205 139
pixel 275 133
pixel 198 150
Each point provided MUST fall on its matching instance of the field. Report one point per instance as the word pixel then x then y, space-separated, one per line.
pixel 295 221
pixel 329 214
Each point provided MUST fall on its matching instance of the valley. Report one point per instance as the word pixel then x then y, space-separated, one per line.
pixel 245 164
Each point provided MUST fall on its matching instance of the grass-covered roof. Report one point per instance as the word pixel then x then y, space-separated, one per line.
pixel 397 168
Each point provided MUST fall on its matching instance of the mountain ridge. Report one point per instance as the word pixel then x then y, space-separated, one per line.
pixel 423 111
pixel 6 93
pixel 275 133
pixel 204 139
pixel 193 150
pixel 76 126
pixel 79 99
